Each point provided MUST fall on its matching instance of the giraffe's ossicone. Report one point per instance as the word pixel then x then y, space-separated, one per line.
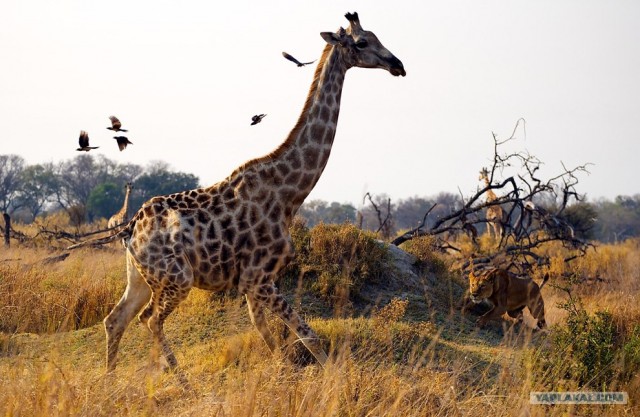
pixel 236 233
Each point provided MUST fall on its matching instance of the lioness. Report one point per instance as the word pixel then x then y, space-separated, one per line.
pixel 508 294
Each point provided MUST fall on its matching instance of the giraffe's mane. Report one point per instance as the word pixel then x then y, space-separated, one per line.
pixel 279 151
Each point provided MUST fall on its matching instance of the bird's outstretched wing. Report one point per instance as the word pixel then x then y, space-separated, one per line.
pixel 115 123
pixel 123 141
pixel 257 119
pixel 83 140
pixel 116 126
pixel 298 63
pixel 292 59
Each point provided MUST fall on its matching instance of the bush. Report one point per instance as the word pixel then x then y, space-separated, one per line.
pixel 336 260
pixel 588 342
pixel 590 350
pixel 424 248
pixel 631 354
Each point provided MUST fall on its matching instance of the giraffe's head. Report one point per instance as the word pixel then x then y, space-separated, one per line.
pixel 484 174
pixel 128 186
pixel 361 48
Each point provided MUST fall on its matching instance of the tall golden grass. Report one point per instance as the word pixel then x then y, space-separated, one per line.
pixel 413 356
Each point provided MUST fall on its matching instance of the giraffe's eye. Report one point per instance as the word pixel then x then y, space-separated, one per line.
pixel 361 44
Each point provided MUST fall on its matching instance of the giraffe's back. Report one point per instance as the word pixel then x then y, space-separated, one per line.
pixel 225 238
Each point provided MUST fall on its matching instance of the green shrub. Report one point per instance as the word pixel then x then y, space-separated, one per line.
pixel 335 260
pixel 631 354
pixel 424 248
pixel 589 349
pixel 588 342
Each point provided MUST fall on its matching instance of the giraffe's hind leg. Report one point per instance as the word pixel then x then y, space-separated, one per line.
pixel 147 312
pixel 135 296
pixel 274 301
pixel 256 313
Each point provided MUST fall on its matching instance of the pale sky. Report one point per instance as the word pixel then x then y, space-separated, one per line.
pixel 185 77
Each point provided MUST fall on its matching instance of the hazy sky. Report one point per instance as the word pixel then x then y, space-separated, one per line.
pixel 186 77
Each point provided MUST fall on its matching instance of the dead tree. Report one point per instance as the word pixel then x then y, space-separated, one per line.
pixel 7 229
pixel 529 223
pixel 384 222
pixel 69 237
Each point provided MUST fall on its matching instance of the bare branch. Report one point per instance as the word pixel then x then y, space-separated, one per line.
pixel 383 224
pixel 533 211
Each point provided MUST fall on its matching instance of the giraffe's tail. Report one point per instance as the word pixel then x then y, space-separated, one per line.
pixel 123 233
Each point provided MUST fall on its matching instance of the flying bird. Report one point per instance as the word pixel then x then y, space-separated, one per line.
pixel 115 124
pixel 298 63
pixel 84 142
pixel 257 119
pixel 123 141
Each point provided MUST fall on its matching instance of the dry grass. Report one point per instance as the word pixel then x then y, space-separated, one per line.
pixel 46 298
pixel 415 356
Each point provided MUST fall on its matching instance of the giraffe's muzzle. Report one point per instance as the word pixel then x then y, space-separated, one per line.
pixel 396 68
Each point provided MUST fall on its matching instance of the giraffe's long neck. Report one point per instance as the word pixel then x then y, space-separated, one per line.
pixel 304 154
pixel 286 176
pixel 491 196
pixel 125 206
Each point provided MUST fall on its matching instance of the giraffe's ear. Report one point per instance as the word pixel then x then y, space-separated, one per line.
pixel 339 38
pixel 330 37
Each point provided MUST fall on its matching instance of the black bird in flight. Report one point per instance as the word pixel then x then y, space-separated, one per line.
pixel 115 124
pixel 84 142
pixel 295 61
pixel 257 119
pixel 123 141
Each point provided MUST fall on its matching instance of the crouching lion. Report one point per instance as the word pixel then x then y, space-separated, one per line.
pixel 508 294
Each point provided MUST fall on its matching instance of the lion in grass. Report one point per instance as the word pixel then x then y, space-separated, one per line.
pixel 508 294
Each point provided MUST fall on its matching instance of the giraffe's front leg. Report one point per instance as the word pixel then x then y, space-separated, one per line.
pixel 270 296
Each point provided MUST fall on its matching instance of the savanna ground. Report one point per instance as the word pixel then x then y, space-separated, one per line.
pixel 398 343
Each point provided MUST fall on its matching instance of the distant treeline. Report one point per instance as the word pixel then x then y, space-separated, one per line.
pixel 603 220
pixel 86 187
pixel 91 187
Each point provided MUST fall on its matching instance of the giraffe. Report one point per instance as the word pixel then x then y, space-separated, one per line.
pixel 235 233
pixel 123 214
pixel 495 214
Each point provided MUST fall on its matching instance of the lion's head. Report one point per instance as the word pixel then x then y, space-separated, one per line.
pixel 481 285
